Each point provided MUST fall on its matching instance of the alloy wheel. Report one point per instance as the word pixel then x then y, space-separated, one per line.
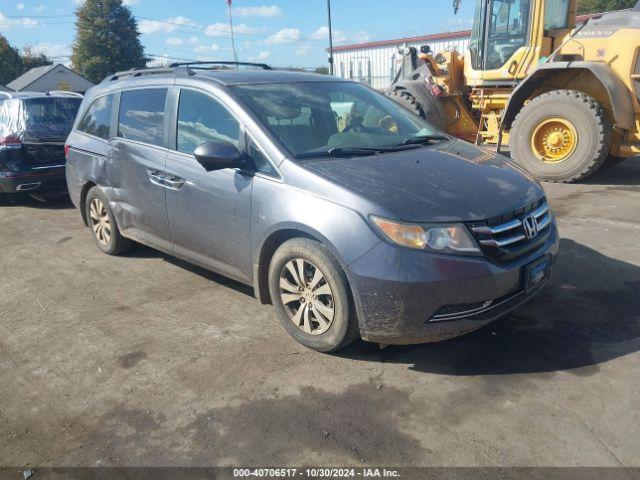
pixel 306 296
pixel 100 223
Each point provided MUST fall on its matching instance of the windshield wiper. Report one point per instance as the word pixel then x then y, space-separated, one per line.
pixel 339 152
pixel 355 151
pixel 348 152
pixel 424 139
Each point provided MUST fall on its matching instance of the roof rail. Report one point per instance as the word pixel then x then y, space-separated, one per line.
pixel 264 66
pixel 139 73
pixel 65 93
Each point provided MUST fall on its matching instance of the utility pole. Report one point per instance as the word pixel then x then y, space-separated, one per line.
pixel 330 38
pixel 233 42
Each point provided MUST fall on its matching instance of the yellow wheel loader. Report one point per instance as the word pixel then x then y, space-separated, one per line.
pixel 564 97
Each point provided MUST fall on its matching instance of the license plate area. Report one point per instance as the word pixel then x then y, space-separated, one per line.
pixel 537 272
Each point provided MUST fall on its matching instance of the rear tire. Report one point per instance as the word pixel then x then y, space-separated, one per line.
pixel 318 315
pixel 103 225
pixel 580 130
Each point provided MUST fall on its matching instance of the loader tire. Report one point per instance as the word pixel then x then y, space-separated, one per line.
pixel 408 101
pixel 561 136
pixel 428 107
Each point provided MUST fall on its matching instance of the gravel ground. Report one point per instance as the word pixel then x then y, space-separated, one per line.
pixel 145 360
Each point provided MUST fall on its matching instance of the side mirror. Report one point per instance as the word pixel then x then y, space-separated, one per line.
pixel 217 155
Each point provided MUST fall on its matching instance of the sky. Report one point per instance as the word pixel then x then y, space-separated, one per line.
pixel 279 32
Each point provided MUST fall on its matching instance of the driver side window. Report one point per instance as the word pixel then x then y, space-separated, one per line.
pixel 508 29
pixel 202 119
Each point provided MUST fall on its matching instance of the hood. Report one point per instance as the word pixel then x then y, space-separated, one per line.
pixel 450 181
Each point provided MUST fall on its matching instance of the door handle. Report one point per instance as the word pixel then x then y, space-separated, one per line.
pixel 156 176
pixel 174 182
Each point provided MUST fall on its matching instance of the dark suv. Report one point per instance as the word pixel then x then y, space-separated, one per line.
pixel 352 216
pixel 33 129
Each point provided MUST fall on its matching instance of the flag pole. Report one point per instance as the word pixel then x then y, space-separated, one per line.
pixel 330 38
pixel 233 42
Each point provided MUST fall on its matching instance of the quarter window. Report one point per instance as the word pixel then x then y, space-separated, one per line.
pixel 98 117
pixel 141 116
pixel 260 161
pixel 202 119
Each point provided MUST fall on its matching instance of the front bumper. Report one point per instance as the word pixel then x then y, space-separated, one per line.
pixel 42 179
pixel 407 296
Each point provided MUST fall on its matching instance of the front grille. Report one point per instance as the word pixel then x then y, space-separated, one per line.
pixel 37 154
pixel 505 237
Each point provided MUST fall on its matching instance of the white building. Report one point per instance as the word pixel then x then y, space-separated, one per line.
pixel 376 63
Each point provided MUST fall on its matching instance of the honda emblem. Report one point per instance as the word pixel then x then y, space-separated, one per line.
pixel 530 225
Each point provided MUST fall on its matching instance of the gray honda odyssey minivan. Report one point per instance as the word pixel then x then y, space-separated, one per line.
pixel 352 216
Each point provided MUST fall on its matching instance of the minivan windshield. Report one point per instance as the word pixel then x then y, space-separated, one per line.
pixel 316 118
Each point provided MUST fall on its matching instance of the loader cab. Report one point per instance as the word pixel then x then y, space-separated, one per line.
pixel 510 36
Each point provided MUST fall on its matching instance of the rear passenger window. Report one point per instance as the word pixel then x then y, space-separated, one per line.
pixel 202 119
pixel 98 117
pixel 141 116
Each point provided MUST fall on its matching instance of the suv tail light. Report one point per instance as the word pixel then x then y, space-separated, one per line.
pixel 10 141
pixel 67 148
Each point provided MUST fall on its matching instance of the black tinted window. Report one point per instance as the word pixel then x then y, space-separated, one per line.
pixel 202 119
pixel 97 119
pixel 141 115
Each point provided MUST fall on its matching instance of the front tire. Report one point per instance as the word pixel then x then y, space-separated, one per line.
pixel 103 224
pixel 561 136
pixel 309 292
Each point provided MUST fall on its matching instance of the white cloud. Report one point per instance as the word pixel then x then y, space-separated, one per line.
pixel 7 23
pixel 263 55
pixel 302 50
pixel 175 41
pixel 58 52
pixel 361 37
pixel 128 3
pixel 20 6
pixel 286 35
pixel 40 8
pixel 222 29
pixel 168 25
pixel 207 48
pixel 322 33
pixel 263 11
pixel 193 40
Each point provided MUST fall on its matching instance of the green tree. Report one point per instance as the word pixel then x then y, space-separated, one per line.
pixel 597 6
pixel 11 65
pixel 30 59
pixel 107 40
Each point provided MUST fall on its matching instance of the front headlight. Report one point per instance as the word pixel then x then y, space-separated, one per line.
pixel 449 238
